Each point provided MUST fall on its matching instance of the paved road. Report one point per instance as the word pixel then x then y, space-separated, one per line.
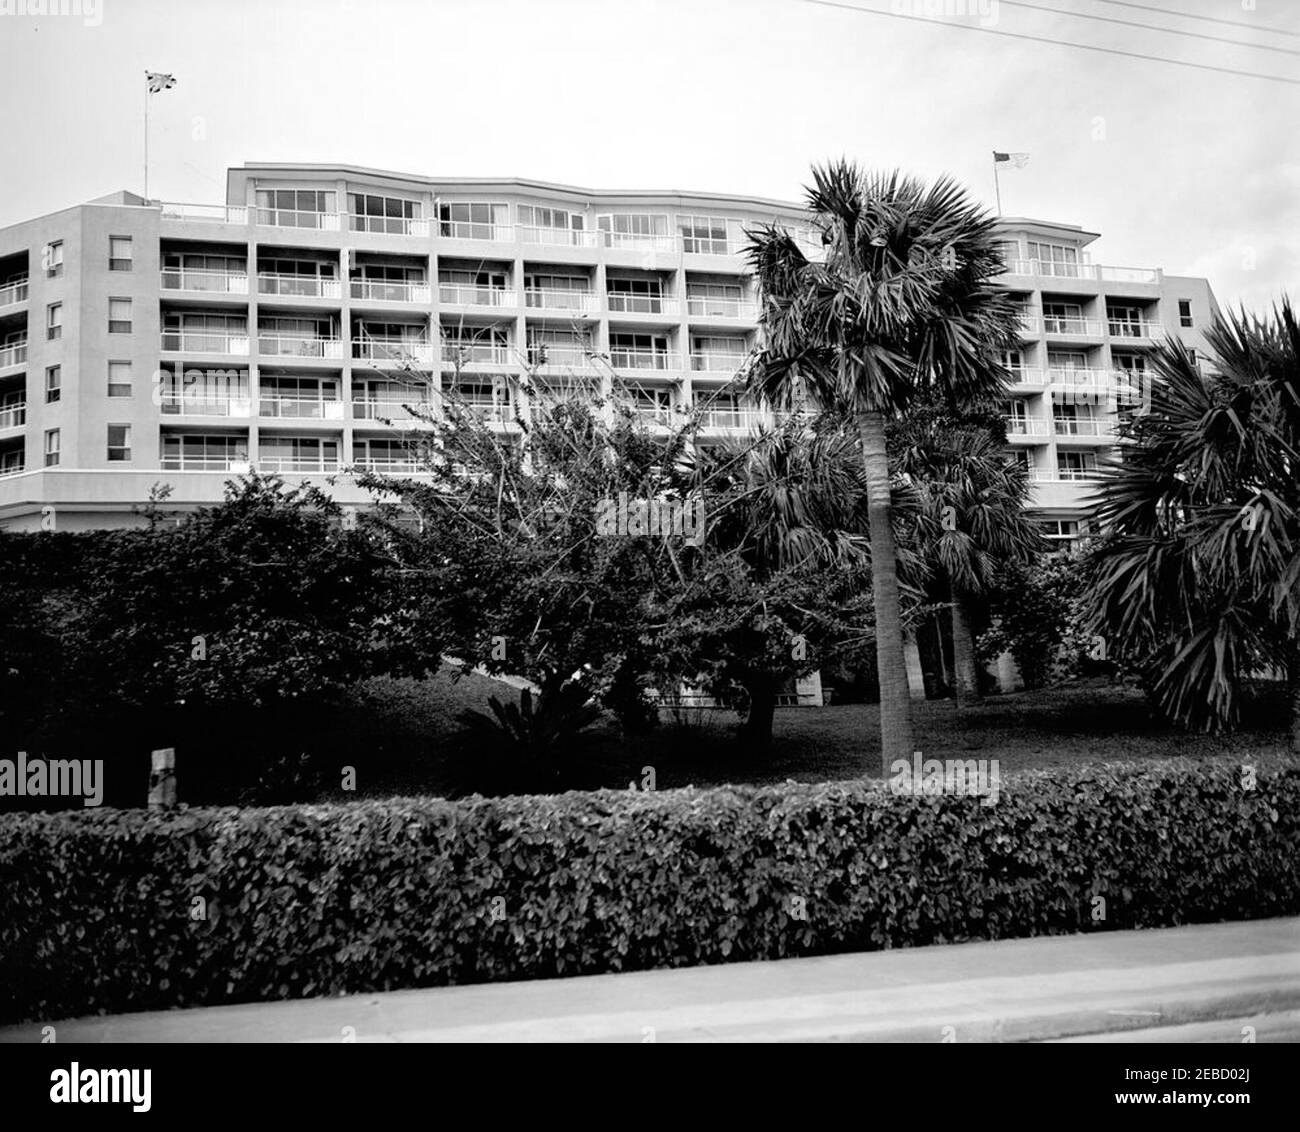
pixel 1123 984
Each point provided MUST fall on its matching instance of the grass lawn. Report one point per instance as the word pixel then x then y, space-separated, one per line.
pixel 401 734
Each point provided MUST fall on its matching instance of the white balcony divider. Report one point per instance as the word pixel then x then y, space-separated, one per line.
pixel 205 342
pixel 220 282
pixel 299 286
pixel 389 225
pixel 471 230
pixel 469 294
pixel 621 357
pixel 385 291
pixel 195 404
pixel 220 213
pixel 297 346
pixel 13 355
pixel 546 299
pixel 703 307
pixel 298 218
pixel 558 237
pixel 13 416
pixel 294 407
pixel 623 303
pixel 13 293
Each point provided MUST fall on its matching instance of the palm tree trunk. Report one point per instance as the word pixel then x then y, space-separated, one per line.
pixel 965 677
pixel 1293 685
pixel 891 666
pixel 756 731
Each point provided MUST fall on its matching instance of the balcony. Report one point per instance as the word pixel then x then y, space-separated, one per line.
pixel 299 286
pixel 1026 376
pixel 638 242
pixel 637 359
pixel 298 218
pixel 471 295
pixel 1129 274
pixel 392 352
pixel 1021 428
pixel 230 344
pixel 475 353
pixel 383 291
pixel 388 465
pixel 1064 475
pixel 1028 324
pixel 558 237
pixel 12 467
pixel 489 412
pixel 237 463
pixel 700 307
pixel 1133 330
pixel 1059 327
pixel 473 230
pixel 1051 270
pixel 548 354
pixel 653 416
pixel 389 225
pixel 216 213
pixel 731 420
pixel 15 354
pixel 1089 429
pixel 189 403
pixel 584 302
pixel 704 245
pixel 297 346
pixel 321 464
pixel 1071 377
pixel 299 408
pixel 622 302
pixel 390 409
pixel 729 364
pixel 208 282
pixel 13 293
pixel 13 416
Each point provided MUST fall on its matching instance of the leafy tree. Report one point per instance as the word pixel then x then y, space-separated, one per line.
pixel 902 301
pixel 1197 579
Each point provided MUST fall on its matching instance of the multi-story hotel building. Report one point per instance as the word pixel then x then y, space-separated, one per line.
pixel 144 344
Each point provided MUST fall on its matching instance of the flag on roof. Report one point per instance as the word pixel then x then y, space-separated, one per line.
pixel 158 81
pixel 1016 160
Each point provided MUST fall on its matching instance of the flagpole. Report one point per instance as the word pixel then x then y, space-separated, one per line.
pixel 146 138
pixel 997 187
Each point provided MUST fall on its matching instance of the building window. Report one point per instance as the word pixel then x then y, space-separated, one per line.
pixel 54 321
pixel 635 230
pixel 704 234
pixel 472 220
pixel 119 253
pixel 1054 259
pixel 53 384
pixel 54 259
pixel 1185 313
pixel 119 379
pixel 536 216
pixel 119 443
pixel 51 447
pixel 119 316
pixel 294 208
pixel 368 213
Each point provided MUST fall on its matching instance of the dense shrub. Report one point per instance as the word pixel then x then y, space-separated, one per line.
pixel 96 907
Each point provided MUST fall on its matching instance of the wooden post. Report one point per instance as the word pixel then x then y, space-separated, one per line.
pixel 162 779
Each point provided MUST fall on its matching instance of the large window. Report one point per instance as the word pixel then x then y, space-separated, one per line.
pixel 370 213
pixel 476 345
pixel 203 452
pixel 473 220
pixel 551 225
pixel 194 271
pixel 120 255
pixel 1055 259
pixel 640 296
pixel 704 234
pixel 298 454
pixel 714 299
pixel 213 333
pixel 119 443
pixel 294 208
pixel 636 230
pixel 638 351
pixel 558 347
pixel 119 379
pixel 1076 465
pixel 1185 318
pixel 119 316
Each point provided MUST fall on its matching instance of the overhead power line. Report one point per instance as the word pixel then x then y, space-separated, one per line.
pixel 1149 27
pixel 1062 43
pixel 1207 19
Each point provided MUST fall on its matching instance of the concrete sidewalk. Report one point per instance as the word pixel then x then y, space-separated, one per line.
pixel 1013 990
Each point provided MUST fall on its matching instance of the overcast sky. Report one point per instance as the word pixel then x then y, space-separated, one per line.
pixel 1191 170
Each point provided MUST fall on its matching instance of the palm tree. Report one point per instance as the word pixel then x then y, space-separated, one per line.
pixel 972 500
pixel 902 301
pixel 1197 578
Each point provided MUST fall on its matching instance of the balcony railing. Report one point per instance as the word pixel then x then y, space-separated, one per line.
pixel 1025 375
pixel 1129 274
pixel 298 464
pixel 628 358
pixel 232 343
pixel 298 218
pixel 393 351
pixel 625 303
pixel 548 354
pixel 12 468
pixel 219 282
pixel 13 293
pixel 468 294
pixel 548 299
pixel 389 225
pixel 1123 328
pixel 385 291
pixel 1051 269
pixel 299 286
pixel 1029 324
pixel 237 463
pixel 638 242
pixel 218 213
pixel 1064 426
pixel 300 408
pixel 558 237
pixel 492 412
pixel 297 346
pixel 13 355
pixel 703 307
pixel 731 419
pixel 717 363
pixel 191 404
pixel 1076 475
pixel 702 245
pixel 387 408
pixel 1071 327
pixel 471 230
pixel 388 465
pixel 1079 376
pixel 1021 426
pixel 476 353
pixel 13 416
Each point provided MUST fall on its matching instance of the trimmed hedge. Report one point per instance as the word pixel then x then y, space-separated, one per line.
pixel 95 907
